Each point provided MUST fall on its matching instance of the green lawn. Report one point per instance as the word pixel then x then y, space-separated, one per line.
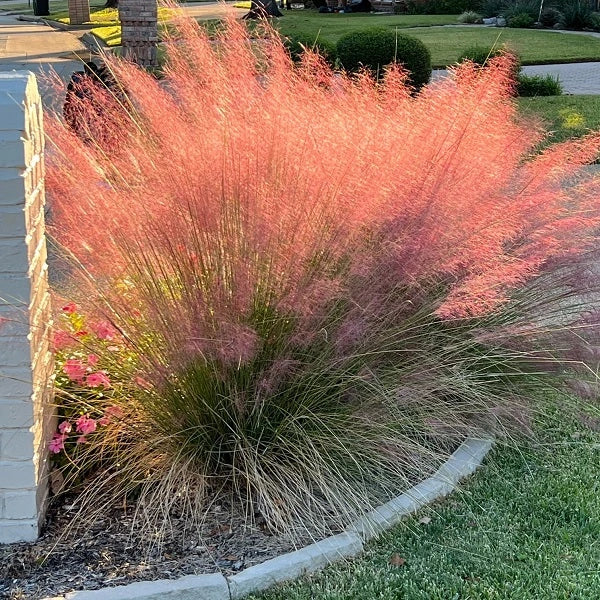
pixel 99 16
pixel 56 6
pixel 525 527
pixel 534 46
pixel 332 26
pixel 565 116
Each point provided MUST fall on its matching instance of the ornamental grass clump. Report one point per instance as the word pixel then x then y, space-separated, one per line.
pixel 315 284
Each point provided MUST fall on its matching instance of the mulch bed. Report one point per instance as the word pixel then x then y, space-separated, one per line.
pixel 110 552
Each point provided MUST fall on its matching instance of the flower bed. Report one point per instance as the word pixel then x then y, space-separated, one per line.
pixel 299 290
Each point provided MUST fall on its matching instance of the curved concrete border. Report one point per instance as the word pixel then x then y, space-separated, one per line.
pixel 215 586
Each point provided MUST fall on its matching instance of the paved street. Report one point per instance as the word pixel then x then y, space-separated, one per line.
pixel 576 78
pixel 38 48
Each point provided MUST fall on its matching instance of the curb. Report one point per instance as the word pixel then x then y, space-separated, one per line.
pixel 463 462
pixel 92 43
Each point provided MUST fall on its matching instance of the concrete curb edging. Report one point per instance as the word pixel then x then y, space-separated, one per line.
pixel 463 462
pixel 92 43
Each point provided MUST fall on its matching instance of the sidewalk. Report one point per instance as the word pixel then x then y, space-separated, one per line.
pixel 38 48
pixel 576 78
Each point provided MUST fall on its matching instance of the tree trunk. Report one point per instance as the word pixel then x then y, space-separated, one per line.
pixel 262 9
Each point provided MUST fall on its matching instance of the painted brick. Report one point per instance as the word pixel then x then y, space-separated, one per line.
pixel 20 505
pixel 16 415
pixel 26 362
pixel 16 475
pixel 14 256
pixel 16 353
pixel 16 444
pixel 20 530
pixel 15 288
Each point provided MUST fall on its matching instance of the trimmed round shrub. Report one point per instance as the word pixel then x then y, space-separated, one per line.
pixel 538 85
pixel 296 44
pixel 376 47
pixel 521 21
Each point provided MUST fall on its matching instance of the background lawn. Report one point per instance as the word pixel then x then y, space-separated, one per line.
pixel 333 26
pixel 565 116
pixel 525 527
pixel 534 46
pixel 99 16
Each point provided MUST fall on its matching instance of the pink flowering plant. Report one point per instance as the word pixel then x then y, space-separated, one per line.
pixel 88 398
pixel 302 288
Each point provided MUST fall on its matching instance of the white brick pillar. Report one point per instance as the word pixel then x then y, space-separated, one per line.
pixel 26 363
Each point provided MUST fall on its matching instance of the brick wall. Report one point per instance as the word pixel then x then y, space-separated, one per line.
pixel 139 33
pixel 26 364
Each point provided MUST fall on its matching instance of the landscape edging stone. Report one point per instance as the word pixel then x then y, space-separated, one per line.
pixel 463 462
pixel 211 586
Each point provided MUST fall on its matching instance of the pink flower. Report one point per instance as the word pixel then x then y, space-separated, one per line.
pixel 70 308
pixel 98 379
pixel 57 443
pixel 92 359
pixel 109 413
pixel 81 439
pixel 74 369
pixel 114 411
pixel 65 427
pixel 85 425
pixel 61 340
pixel 104 330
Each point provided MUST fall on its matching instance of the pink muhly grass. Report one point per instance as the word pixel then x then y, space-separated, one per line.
pixel 299 261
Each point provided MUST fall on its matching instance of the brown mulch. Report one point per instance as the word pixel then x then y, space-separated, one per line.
pixel 111 552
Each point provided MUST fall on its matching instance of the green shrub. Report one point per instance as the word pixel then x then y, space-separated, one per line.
pixel 520 21
pixel 577 15
pixel 491 8
pixel 469 17
pixel 538 85
pixel 481 55
pixel 550 17
pixel 441 7
pixel 377 47
pixel 297 43
pixel 512 9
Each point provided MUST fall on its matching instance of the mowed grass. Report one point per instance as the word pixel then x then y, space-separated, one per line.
pixel 99 16
pixel 447 43
pixel 534 46
pixel 332 26
pixel 564 116
pixel 56 6
pixel 525 527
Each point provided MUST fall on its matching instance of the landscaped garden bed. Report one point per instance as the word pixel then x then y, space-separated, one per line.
pixel 293 292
